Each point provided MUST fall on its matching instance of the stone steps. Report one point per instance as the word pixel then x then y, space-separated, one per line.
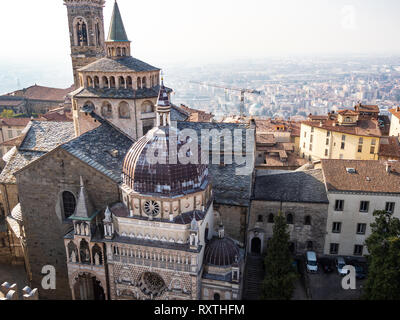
pixel 254 275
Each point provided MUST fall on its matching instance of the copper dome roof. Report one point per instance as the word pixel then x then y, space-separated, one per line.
pixel 221 252
pixel 165 179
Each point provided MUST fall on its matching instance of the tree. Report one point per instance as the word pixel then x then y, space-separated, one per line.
pixel 7 113
pixel 383 282
pixel 279 273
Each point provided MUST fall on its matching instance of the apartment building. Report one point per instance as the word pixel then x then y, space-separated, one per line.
pixel 348 134
pixel 355 190
pixel 395 122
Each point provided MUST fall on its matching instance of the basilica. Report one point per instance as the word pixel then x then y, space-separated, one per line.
pixel 90 204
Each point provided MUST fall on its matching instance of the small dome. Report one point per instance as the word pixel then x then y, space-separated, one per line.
pixel 162 177
pixel 221 252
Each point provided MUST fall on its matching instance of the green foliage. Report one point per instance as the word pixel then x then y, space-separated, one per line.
pixel 7 113
pixel 279 278
pixel 383 282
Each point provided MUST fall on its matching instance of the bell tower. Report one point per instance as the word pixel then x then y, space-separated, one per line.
pixel 86 32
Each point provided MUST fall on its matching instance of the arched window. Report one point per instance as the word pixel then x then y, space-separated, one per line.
pixel 72 252
pixel 105 82
pixel 81 32
pixel 106 110
pixel 97 33
pixel 217 296
pixel 112 82
pixel 97 254
pixel 84 251
pixel 118 51
pixel 139 83
pixel 124 110
pixel 68 204
pixel 96 82
pixel 124 52
pixel 260 218
pixel 289 218
pixel 129 82
pixel 89 81
pixel 121 82
pixel 147 107
pixel 271 218
pixel 307 220
pixel 144 82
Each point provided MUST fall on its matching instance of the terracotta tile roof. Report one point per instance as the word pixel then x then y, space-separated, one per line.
pixel 367 108
pixel 265 138
pixel 10 103
pixel 14 122
pixel 348 112
pixel 42 93
pixel 197 115
pixel 364 127
pixel 369 176
pixel 395 112
pixel 390 148
pixel 272 125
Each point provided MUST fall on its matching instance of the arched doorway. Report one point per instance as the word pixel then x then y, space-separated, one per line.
pixel 88 287
pixel 256 245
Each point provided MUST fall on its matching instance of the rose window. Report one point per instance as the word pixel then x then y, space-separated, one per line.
pixel 151 208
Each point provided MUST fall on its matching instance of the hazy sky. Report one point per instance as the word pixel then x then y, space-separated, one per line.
pixel 164 31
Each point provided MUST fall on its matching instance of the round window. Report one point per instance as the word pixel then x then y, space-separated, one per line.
pixel 151 208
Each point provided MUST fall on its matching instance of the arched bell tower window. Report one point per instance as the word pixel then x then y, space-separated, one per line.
pixel 97 33
pixel 81 32
pixel 68 204
pixel 139 83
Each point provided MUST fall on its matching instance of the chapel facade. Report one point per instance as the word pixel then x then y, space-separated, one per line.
pixel 159 242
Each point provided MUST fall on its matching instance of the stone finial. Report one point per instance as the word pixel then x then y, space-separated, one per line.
pixel 30 294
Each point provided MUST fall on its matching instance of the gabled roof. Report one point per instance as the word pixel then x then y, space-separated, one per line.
pixel 45 136
pixel 41 137
pixel 117 29
pixel 36 92
pixel 103 148
pixel 122 64
pixel 369 176
pixel 298 186
pixel 15 122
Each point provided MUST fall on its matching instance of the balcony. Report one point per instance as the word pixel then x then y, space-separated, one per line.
pixel 153 263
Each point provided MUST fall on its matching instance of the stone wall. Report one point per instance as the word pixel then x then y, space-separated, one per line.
pixel 234 220
pixel 41 185
pixel 300 233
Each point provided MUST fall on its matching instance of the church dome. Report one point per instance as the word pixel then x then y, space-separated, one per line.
pixel 221 252
pixel 163 177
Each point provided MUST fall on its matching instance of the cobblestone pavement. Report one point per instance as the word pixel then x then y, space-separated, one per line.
pixel 13 274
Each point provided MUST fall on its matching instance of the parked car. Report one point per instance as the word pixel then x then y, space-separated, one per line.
pixel 360 271
pixel 327 265
pixel 340 263
pixel 311 262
